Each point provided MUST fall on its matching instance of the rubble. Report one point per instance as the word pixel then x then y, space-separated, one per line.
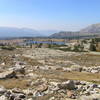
pixel 79 90
pixel 83 69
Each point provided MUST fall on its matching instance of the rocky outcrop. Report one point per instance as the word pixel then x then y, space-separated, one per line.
pixel 7 74
pixel 67 85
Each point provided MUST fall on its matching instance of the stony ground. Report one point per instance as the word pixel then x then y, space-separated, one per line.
pixel 48 74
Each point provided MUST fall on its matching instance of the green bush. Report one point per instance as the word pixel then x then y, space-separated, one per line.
pixel 92 47
pixel 78 48
pixel 7 47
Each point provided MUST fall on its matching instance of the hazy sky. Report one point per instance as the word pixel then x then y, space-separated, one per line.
pixel 49 14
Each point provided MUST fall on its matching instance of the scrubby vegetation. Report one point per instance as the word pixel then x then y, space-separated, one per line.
pixel 7 47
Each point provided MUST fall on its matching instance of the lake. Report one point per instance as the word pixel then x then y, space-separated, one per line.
pixel 46 42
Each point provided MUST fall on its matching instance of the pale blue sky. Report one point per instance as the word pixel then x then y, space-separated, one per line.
pixel 49 14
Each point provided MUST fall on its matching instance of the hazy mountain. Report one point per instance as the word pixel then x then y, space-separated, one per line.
pixel 64 34
pixel 27 32
pixel 88 31
pixel 47 32
pixel 23 32
pixel 17 32
pixel 94 28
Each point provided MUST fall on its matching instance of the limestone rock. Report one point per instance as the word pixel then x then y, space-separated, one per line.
pixel 3 97
pixel 42 88
pixel 2 90
pixel 67 85
pixel 7 74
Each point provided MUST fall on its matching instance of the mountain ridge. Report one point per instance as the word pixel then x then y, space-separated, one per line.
pixel 91 30
pixel 17 32
pixel 24 32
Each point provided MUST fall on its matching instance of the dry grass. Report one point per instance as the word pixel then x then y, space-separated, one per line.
pixel 6 56
pixel 46 97
pixel 83 59
pixel 30 61
pixel 14 83
pixel 70 75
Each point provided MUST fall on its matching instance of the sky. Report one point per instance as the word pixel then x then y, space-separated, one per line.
pixel 67 15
